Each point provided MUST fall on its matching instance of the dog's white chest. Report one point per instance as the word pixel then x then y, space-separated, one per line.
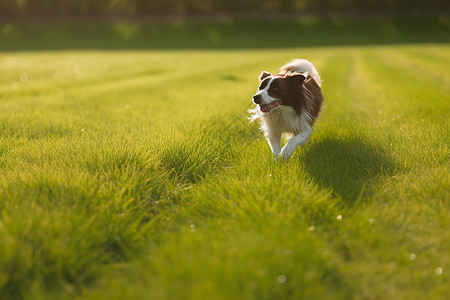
pixel 285 120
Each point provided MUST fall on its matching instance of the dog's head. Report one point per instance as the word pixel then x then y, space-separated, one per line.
pixel 276 90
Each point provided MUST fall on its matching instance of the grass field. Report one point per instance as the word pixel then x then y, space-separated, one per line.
pixel 128 168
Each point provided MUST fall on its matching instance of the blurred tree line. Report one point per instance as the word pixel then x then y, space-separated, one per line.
pixel 74 8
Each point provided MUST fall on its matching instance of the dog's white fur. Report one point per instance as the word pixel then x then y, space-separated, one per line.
pixel 283 119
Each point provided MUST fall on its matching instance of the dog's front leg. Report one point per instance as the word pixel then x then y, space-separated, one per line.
pixel 297 140
pixel 274 142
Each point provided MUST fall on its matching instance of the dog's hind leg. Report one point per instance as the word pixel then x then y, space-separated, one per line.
pixel 297 140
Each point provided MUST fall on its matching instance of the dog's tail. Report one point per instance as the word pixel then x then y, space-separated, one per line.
pixel 302 66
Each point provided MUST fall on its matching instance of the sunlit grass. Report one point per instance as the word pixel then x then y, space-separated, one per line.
pixel 135 174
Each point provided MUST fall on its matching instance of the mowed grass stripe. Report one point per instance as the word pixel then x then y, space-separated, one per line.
pixel 82 71
pixel 422 65
pixel 418 101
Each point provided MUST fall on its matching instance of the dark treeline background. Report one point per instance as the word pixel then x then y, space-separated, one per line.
pixel 135 8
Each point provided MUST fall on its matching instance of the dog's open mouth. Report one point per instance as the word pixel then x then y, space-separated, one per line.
pixel 265 108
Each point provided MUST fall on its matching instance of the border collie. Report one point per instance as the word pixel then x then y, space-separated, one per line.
pixel 288 103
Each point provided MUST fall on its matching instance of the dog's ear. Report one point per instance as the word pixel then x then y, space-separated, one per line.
pixel 263 75
pixel 297 78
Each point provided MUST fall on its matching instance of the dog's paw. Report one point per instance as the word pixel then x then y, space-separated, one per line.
pixel 284 156
pixel 287 151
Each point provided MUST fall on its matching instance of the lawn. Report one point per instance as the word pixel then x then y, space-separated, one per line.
pixel 129 170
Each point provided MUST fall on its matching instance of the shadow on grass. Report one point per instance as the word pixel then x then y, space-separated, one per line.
pixel 230 34
pixel 347 166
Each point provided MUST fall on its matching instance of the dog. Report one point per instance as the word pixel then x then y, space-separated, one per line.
pixel 288 104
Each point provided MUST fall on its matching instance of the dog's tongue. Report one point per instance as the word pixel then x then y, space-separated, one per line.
pixel 268 107
pixel 264 108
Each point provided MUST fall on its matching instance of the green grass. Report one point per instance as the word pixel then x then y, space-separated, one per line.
pixel 134 174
